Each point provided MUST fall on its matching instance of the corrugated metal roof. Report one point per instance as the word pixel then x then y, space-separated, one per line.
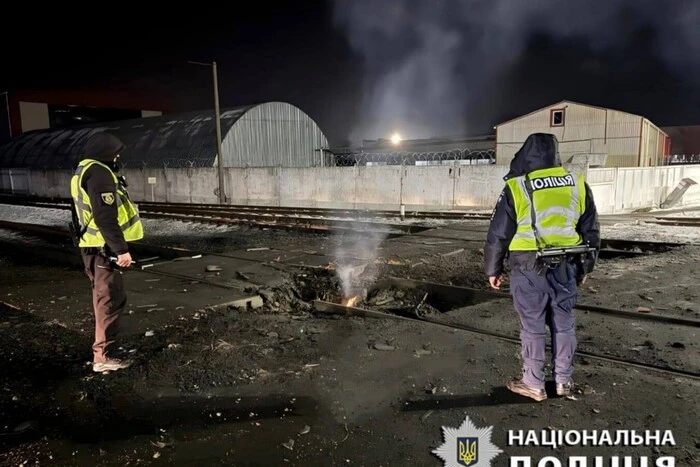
pixel 176 140
pixel 558 104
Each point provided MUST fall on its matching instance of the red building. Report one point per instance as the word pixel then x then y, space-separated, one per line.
pixel 38 110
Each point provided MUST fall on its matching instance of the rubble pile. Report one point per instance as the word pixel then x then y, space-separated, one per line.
pixel 298 291
pixel 400 301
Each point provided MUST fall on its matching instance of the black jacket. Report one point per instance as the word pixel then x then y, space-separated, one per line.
pixel 540 151
pixel 99 184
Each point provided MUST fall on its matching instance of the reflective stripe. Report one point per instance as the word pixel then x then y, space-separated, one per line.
pixel 546 232
pixel 133 221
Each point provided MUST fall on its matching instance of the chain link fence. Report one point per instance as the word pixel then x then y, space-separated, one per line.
pixel 447 157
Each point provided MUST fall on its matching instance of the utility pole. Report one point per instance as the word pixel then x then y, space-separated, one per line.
pixel 217 118
pixel 7 105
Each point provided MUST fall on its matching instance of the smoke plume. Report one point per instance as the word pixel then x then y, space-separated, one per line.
pixel 439 67
pixel 352 252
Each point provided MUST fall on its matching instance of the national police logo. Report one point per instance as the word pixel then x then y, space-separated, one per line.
pixel 467 446
pixel 107 198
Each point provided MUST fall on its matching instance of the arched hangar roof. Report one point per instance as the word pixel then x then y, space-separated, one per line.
pixel 178 140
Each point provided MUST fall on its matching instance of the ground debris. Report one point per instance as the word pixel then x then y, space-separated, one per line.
pixel 400 301
pixel 223 345
pixel 383 347
pixel 289 444
pixel 242 276
pixel 452 253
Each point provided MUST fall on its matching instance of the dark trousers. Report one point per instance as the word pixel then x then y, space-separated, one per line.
pixel 546 300
pixel 108 301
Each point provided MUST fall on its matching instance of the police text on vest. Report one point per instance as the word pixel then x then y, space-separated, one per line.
pixel 552 182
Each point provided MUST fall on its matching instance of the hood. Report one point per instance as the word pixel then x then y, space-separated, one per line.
pixel 102 147
pixel 540 151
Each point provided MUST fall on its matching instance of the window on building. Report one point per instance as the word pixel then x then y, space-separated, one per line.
pixel 557 117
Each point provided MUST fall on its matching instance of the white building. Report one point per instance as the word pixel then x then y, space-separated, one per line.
pixel 626 139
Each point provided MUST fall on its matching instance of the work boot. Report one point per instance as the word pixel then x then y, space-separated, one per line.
pixel 519 387
pixel 111 364
pixel 565 389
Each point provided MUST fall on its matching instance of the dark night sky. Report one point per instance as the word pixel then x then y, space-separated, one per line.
pixel 296 52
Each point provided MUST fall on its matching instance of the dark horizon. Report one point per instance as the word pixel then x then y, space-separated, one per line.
pixel 446 70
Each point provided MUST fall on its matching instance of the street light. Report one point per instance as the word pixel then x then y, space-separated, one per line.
pixel 222 195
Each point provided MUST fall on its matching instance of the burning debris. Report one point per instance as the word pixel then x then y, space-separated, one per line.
pixel 354 299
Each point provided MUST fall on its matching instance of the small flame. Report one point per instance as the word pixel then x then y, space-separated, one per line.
pixel 350 301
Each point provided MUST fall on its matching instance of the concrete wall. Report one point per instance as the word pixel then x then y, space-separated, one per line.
pixel 620 190
pixel 616 190
pixel 358 187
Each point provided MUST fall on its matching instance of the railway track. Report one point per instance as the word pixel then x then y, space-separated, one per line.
pixel 143 250
pixel 680 221
pixel 215 214
pixel 252 210
pixel 337 309
pixel 447 293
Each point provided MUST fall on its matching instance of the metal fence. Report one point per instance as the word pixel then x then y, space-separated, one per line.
pixel 447 157
pixel 173 163
pixel 680 159
pixel 337 159
pixel 351 158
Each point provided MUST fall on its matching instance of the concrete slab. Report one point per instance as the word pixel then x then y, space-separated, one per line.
pixel 264 255
pixel 311 260
pixel 162 293
pixel 233 273
pixel 151 300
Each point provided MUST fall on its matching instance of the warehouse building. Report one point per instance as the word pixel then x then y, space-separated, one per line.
pixel 622 139
pixel 42 110
pixel 271 134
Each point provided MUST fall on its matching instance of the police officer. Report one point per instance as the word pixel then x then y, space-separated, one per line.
pixel 542 211
pixel 106 220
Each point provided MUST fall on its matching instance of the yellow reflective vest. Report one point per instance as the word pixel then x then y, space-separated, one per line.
pixel 559 200
pixel 127 213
